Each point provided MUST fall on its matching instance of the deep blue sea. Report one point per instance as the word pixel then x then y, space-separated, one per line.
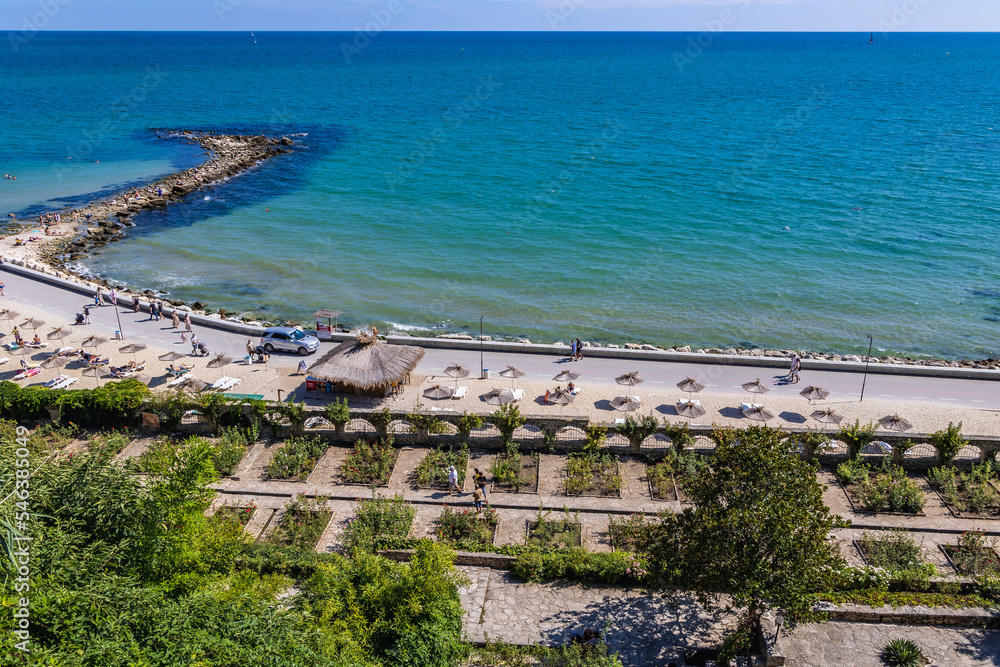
pixel 777 190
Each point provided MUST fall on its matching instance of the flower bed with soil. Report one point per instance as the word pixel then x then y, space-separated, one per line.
pixel 370 463
pixel 241 513
pixel 303 523
pixel 665 477
pixel 515 475
pixel 296 460
pixel 970 495
pixel 881 489
pixel 561 533
pixel 467 529
pixel 379 523
pixel 592 475
pixel 432 472
pixel 973 555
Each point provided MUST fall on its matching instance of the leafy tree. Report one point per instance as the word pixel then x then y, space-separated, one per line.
pixel 857 437
pixel 507 419
pixel 949 441
pixel 757 530
pixel 337 413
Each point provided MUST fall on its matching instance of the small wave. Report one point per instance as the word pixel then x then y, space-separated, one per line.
pixel 206 198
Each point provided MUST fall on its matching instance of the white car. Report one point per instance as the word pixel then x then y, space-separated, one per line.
pixel 288 339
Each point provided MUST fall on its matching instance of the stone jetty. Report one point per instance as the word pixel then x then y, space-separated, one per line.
pixel 228 155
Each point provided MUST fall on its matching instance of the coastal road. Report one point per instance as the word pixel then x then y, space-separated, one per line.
pixel 60 307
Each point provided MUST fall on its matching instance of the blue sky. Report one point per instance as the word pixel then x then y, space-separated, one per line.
pixel 564 15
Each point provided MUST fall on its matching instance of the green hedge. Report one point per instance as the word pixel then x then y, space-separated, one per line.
pixel 115 404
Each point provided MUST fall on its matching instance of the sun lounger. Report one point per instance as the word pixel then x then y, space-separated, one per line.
pixel 746 407
pixel 224 384
pixel 28 372
pixel 36 346
pixel 51 384
pixel 5 360
pixel 518 394
pixel 65 383
pixel 233 382
pixel 176 381
pixel 11 346
pixel 178 373
pixel 620 421
pixel 460 392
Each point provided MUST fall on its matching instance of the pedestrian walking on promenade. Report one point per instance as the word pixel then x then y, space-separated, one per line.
pixel 796 366
pixel 453 481
pixel 572 350
pixel 187 321
pixel 86 314
pixel 176 321
pixel 579 350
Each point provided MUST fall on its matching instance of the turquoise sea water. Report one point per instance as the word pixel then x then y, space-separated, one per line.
pixel 559 184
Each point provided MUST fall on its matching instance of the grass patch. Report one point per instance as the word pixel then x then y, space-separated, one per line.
pixel 876 597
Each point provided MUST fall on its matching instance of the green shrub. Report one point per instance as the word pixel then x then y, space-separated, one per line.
pixel 231 446
pixel 380 419
pixel 580 565
pixel 949 441
pixel 509 471
pixel 433 468
pixel 160 453
pixel 113 404
pixel 597 436
pixel 468 423
pixel 296 459
pixel 637 430
pixel 636 533
pixel 370 462
pixel 972 491
pixel 241 513
pixel 337 412
pixel 893 550
pixel 379 523
pixel 974 554
pixel 903 653
pixel 884 488
pixel 507 419
pixel 857 437
pixel 681 437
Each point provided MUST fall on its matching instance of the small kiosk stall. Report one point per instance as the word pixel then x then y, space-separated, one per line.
pixel 365 366
pixel 326 323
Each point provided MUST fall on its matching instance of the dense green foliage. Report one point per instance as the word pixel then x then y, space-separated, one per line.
pixel 379 523
pixel 111 404
pixel 128 571
pixel 581 565
pixel 559 533
pixel 948 441
pixel 856 437
pixel 296 459
pixel 370 462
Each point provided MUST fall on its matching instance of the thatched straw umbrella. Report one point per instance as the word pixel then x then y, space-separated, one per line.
pixel 457 371
pixel 170 356
pixel 367 365
pixel 814 393
pixel 59 333
pixel 626 403
pixel 512 373
pixel 437 392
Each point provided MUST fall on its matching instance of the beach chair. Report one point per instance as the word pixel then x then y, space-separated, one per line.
pixel 5 360
pixel 231 383
pixel 10 347
pixel 51 384
pixel 460 392
pixel 746 407
pixel 65 384
pixel 36 346
pixel 176 381
pixel 620 421
pixel 178 373
pixel 518 394
pixel 218 384
pixel 28 372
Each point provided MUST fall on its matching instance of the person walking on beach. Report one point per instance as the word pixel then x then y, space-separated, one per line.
pixel 176 321
pixel 187 321
pixel 453 481
pixel 796 366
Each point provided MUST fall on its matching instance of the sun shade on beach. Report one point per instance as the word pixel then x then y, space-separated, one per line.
pixel 437 392
pixel 828 416
pixel 690 385
pixel 758 412
pixel 457 371
pixel 367 366
pixel 32 323
pixel 94 341
pixel 689 409
pixel 561 397
pixel 755 387
pixel 132 348
pixel 55 362
pixel 566 376
pixel 220 360
pixel 499 397
pixel 895 423
pixel 629 379
pixel 58 333
pixel 814 393
pixel 626 403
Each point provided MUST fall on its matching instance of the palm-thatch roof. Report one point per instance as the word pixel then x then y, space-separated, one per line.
pixel 367 364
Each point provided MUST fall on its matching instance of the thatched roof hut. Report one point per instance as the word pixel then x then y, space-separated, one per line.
pixel 367 366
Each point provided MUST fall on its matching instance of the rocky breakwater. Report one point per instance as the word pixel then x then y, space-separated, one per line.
pixel 228 156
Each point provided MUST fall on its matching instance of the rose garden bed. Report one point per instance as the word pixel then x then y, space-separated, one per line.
pixel 592 475
pixel 303 523
pixel 970 495
pixel 564 532
pixel 973 554
pixel 884 488
pixel 467 529
pixel 432 472
pixel 515 475
pixel 296 460
pixel 370 463
pixel 241 513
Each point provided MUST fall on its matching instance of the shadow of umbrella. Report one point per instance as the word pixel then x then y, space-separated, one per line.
pixel 828 416
pixel 498 397
pixel 58 333
pixel 437 392
pixel 626 403
pixel 814 393
pixel 512 373
pixel 566 376
pixel 457 371
pixel 895 423
pixel 96 372
pixel 758 413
